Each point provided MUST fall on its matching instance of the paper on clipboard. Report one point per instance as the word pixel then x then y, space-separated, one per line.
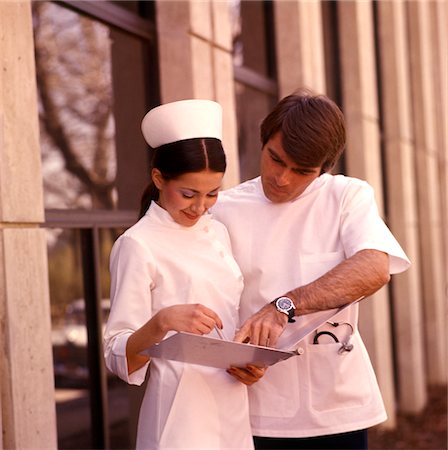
pixel 213 352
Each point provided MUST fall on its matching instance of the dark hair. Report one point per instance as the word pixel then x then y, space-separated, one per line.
pixel 181 157
pixel 312 128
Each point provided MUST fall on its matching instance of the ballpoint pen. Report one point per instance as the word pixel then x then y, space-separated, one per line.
pixel 221 336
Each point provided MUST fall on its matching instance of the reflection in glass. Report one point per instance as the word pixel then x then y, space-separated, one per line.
pixel 69 339
pixel 252 107
pixel 73 65
pixel 250 26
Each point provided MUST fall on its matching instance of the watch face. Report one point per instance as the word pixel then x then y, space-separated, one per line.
pixel 284 303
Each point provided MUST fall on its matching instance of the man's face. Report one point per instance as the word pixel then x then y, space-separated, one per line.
pixel 282 179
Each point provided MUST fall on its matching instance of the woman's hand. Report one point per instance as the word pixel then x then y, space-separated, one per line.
pixel 194 318
pixel 248 375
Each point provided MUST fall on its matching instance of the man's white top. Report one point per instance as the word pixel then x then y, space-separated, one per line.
pixel 159 263
pixel 281 246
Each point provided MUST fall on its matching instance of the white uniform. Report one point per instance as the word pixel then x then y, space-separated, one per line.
pixel 281 246
pixel 159 263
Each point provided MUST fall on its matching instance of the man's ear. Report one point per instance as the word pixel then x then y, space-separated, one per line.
pixel 157 178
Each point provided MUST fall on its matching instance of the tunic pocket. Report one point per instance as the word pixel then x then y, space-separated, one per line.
pixel 338 381
pixel 277 393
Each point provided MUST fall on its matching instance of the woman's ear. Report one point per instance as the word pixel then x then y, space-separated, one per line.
pixel 157 178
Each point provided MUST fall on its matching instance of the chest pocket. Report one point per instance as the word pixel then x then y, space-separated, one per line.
pixel 339 381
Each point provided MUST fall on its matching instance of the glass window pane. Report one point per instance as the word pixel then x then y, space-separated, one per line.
pixel 69 339
pixel 252 107
pixel 69 336
pixel 252 45
pixel 86 73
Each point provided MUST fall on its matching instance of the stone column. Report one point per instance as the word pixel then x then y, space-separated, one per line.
pixel 439 19
pixel 201 45
pixel 299 46
pixel 402 202
pixel 424 103
pixel 363 160
pixel 26 368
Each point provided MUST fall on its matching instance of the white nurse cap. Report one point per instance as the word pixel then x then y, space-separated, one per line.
pixel 185 119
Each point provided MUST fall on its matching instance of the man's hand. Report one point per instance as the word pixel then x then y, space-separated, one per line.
pixel 249 375
pixel 263 328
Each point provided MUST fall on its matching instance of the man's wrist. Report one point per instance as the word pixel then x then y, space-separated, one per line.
pixel 285 305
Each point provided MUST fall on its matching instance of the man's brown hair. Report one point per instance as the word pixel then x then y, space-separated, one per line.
pixel 312 128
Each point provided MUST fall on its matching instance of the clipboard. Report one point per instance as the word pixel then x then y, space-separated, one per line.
pixel 213 352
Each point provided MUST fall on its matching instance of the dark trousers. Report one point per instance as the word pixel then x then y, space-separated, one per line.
pixel 355 440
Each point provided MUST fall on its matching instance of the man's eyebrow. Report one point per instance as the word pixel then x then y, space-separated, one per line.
pixel 274 153
pixel 297 167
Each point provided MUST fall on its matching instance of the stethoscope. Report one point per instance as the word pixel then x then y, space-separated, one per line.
pixel 345 346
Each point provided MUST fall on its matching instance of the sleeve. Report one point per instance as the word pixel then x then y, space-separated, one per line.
pixel 363 228
pixel 131 266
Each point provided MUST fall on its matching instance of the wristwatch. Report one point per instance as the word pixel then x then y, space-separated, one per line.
pixel 286 306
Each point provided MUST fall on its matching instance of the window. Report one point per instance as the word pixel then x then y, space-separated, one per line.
pixel 96 65
pixel 255 76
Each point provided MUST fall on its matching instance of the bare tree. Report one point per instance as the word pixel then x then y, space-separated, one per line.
pixel 73 65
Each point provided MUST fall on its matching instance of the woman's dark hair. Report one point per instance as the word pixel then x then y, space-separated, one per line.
pixel 312 128
pixel 181 157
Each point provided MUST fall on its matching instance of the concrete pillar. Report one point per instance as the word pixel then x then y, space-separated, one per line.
pixel 363 160
pixel 299 46
pixel 201 45
pixel 26 368
pixel 402 203
pixel 439 19
pixel 427 173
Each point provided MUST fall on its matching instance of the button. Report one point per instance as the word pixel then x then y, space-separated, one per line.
pixel 300 351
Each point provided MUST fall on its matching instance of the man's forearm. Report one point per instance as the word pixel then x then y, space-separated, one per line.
pixel 359 276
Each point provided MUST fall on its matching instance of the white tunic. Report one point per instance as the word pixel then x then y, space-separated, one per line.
pixel 281 246
pixel 159 263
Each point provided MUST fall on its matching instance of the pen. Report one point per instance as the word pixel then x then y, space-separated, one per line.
pixel 221 336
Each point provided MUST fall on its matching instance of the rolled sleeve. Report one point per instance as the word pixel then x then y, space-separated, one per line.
pixel 363 228
pixel 116 361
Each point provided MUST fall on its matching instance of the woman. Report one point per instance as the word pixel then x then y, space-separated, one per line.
pixel 173 271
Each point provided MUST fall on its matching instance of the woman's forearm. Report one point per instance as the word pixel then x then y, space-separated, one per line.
pixel 149 334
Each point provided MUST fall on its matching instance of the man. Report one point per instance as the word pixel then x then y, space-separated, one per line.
pixel 318 240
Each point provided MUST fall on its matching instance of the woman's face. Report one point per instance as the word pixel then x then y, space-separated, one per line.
pixel 189 196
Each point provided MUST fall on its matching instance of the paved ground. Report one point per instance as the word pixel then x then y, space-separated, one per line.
pixel 427 431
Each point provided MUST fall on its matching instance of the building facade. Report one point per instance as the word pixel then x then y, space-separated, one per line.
pixel 77 77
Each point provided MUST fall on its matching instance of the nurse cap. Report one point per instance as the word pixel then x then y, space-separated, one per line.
pixel 185 119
